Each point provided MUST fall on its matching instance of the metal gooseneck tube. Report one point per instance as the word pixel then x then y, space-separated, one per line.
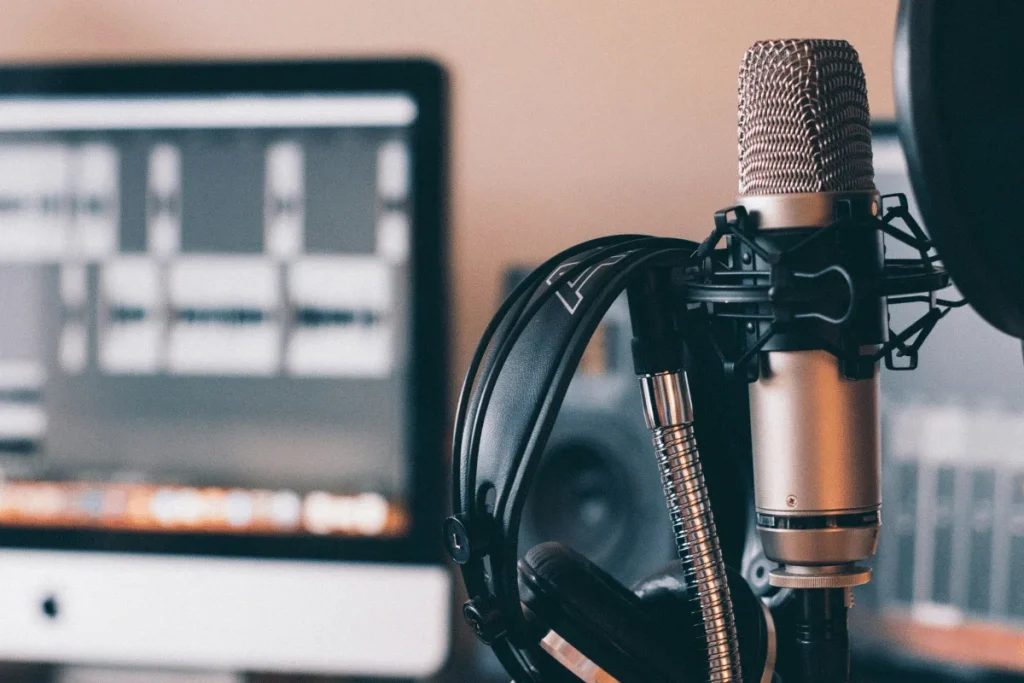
pixel 669 415
pixel 668 410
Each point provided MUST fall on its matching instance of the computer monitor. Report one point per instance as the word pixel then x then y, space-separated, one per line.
pixel 222 365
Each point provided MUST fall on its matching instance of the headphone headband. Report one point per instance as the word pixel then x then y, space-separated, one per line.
pixel 510 399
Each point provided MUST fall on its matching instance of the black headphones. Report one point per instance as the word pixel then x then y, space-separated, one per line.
pixel 553 615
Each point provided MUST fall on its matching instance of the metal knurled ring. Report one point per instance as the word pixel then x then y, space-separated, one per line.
pixel 855 576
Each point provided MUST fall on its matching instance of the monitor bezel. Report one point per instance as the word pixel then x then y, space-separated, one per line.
pixel 426 82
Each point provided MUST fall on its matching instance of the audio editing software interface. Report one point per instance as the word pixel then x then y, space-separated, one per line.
pixel 205 313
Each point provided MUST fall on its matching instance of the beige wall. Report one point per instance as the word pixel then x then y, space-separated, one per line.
pixel 571 118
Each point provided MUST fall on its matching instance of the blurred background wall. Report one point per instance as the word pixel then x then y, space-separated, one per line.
pixel 570 119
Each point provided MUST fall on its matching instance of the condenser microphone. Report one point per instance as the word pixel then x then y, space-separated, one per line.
pixel 805 163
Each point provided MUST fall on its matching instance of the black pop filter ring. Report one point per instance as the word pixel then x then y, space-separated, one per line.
pixel 959 86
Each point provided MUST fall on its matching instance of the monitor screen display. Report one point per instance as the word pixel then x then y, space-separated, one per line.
pixel 207 314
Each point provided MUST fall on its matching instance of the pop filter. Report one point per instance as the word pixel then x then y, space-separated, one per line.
pixel 959 81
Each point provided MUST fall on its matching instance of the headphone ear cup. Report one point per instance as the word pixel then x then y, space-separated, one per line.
pixel 666 600
pixel 598 616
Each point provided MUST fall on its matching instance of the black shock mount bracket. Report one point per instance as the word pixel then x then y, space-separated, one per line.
pixel 818 288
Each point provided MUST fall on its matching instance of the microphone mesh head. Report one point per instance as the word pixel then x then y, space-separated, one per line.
pixel 804 124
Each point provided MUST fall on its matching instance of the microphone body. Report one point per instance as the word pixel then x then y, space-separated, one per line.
pixel 815 420
pixel 805 163
pixel 815 435
pixel 805 167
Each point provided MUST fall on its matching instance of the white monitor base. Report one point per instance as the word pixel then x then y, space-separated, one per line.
pixel 82 674
pixel 219 614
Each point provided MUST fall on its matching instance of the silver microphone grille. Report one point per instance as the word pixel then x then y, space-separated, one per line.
pixel 804 124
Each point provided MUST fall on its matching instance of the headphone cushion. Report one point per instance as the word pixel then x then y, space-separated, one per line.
pixel 596 614
pixel 666 596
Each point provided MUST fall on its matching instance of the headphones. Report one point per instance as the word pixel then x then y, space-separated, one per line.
pixel 553 616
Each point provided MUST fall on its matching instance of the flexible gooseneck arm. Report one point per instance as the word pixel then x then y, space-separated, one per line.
pixel 668 410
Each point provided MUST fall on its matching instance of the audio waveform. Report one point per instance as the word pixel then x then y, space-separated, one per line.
pixel 335 317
